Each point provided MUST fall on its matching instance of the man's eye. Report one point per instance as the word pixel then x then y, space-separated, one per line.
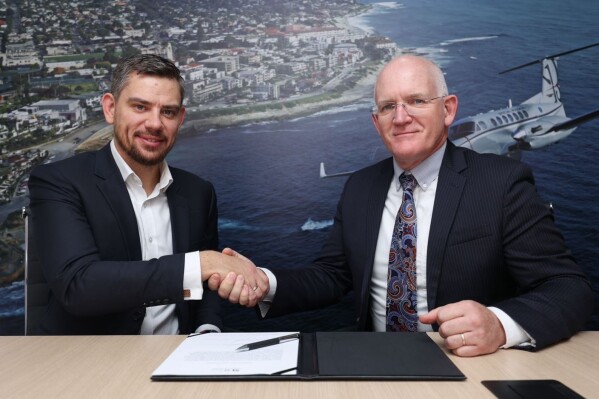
pixel 139 107
pixel 416 102
pixel 387 107
pixel 169 113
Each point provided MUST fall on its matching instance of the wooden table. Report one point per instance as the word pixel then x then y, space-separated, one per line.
pixel 120 367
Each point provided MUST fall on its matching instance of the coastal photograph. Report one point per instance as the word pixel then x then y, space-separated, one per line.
pixel 278 99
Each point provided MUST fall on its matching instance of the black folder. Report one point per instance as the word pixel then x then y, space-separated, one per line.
pixel 358 356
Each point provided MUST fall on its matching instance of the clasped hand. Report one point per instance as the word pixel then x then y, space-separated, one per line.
pixel 243 283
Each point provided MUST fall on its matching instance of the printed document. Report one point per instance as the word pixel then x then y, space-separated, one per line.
pixel 217 354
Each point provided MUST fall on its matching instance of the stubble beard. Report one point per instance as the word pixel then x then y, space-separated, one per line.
pixel 138 156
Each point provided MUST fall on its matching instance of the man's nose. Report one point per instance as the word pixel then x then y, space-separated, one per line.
pixel 153 121
pixel 400 114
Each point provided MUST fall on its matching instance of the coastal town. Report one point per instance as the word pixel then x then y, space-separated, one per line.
pixel 237 58
pixel 242 61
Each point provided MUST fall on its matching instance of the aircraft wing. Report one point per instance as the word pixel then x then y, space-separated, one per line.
pixel 575 121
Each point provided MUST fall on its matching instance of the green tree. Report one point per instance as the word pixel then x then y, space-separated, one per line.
pixel 129 50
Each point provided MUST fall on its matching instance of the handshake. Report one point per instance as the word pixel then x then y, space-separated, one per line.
pixel 234 277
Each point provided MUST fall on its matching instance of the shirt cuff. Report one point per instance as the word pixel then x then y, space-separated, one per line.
pixel 192 276
pixel 514 334
pixel 264 305
pixel 207 328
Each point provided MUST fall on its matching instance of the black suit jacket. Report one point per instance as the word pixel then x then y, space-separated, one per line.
pixel 491 240
pixel 88 241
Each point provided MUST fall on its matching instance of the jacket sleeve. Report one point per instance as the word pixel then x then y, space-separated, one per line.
pixel 554 298
pixel 71 222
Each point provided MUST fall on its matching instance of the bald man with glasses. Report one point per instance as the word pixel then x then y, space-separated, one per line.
pixel 438 237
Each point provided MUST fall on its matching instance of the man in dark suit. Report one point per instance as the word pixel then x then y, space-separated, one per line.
pixel 125 240
pixel 489 269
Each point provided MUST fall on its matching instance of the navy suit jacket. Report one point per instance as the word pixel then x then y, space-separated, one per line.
pixel 88 242
pixel 492 240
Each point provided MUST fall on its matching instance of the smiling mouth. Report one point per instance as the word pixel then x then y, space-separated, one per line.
pixel 403 133
pixel 150 139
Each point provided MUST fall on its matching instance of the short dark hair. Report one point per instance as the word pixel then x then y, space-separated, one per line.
pixel 144 64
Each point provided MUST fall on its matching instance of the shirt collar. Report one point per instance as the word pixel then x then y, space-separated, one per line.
pixel 127 173
pixel 425 173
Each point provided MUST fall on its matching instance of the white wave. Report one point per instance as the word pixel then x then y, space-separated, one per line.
pixel 259 123
pixel 229 224
pixel 390 5
pixel 360 22
pixel 316 224
pixel 467 39
pixel 360 106
pixel 438 55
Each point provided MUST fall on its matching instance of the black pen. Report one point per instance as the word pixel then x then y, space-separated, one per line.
pixel 267 342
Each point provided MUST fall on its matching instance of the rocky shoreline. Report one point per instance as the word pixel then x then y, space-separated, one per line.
pixel 363 88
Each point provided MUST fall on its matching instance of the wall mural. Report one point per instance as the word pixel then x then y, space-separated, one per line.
pixel 278 100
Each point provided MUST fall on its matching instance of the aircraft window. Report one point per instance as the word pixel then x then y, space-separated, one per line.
pixel 504 118
pixel 493 122
pixel 483 125
pixel 499 121
pixel 521 114
pixel 525 113
pixel 461 130
pixel 540 109
pixel 516 117
pixel 510 117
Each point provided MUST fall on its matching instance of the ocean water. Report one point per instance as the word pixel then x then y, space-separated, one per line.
pixel 275 209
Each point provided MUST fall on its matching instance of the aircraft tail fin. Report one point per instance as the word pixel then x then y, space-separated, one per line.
pixel 322 171
pixel 550 87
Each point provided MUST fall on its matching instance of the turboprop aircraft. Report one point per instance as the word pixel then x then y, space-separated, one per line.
pixel 537 122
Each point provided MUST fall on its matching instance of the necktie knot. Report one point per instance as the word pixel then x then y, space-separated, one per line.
pixel 407 181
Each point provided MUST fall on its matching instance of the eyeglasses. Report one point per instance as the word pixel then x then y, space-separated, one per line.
pixel 413 106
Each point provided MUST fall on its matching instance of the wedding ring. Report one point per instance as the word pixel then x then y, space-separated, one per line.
pixel 463 339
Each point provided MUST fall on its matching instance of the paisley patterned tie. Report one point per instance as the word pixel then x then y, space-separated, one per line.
pixel 401 276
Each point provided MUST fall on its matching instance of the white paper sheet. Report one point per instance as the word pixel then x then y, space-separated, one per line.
pixel 215 355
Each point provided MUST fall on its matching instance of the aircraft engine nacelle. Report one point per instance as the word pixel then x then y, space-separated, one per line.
pixel 538 134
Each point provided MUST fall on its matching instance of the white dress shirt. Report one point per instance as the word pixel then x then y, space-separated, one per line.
pixel 155 234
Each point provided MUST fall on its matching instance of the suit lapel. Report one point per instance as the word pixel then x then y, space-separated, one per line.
pixel 114 191
pixel 447 198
